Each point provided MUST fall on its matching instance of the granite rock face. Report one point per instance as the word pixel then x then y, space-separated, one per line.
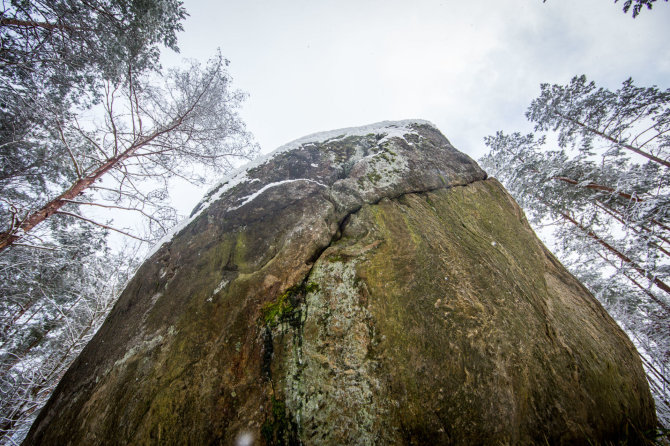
pixel 363 286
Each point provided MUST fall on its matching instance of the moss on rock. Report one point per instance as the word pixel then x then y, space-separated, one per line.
pixel 441 319
pixel 283 309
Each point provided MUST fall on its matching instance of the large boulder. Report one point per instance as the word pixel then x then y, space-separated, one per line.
pixel 362 286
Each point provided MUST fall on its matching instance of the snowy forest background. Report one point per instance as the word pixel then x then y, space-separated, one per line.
pixel 95 133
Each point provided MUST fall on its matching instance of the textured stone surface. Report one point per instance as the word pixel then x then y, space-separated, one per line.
pixel 364 288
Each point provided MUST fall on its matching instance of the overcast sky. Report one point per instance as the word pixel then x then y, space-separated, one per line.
pixel 470 67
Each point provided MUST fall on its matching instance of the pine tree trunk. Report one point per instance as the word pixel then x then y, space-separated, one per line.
pixel 601 187
pixel 656 281
pixel 639 285
pixel 615 141
pixel 52 207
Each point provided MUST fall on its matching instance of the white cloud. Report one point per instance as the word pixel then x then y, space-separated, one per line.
pixel 469 67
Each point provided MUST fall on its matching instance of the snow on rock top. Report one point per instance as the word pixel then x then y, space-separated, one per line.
pixel 248 199
pixel 392 129
pixel 380 173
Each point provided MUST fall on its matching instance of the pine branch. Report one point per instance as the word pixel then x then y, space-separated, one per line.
pixel 109 206
pixel 100 224
pixel 652 220
pixel 69 151
pixel 34 24
pixel 612 213
pixel 35 246
pixel 639 285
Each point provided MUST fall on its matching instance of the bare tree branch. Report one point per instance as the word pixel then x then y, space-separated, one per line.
pixel 101 225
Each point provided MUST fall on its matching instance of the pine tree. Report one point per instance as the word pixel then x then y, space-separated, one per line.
pixel 89 120
pixel 47 315
pixel 151 132
pixel 56 57
pixel 604 186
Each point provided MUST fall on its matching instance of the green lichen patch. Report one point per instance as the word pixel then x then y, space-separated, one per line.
pixel 338 258
pixel 332 389
pixel 374 177
pixel 283 309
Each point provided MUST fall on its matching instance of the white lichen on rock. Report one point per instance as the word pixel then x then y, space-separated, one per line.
pixel 332 390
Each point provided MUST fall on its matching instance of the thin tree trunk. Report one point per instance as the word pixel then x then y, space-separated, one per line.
pixel 614 140
pixel 656 281
pixel 639 285
pixel 600 187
